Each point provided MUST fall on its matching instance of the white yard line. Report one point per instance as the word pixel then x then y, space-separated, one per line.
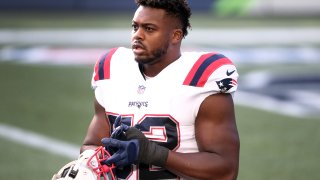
pixel 39 141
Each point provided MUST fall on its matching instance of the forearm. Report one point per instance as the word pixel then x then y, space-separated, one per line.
pixel 91 142
pixel 87 147
pixel 203 165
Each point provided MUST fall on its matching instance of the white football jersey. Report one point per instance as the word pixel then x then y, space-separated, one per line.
pixel 166 105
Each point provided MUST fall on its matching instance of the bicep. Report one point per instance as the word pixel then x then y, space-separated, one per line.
pixel 99 127
pixel 218 142
pixel 216 129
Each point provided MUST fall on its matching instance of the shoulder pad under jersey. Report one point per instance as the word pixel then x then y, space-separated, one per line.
pixel 215 71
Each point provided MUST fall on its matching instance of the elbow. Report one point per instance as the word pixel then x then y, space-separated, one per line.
pixel 231 171
pixel 228 171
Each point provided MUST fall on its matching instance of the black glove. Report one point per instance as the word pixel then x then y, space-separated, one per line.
pixel 149 152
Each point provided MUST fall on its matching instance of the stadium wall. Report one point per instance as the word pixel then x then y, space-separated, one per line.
pixel 284 8
pixel 218 7
pixel 87 5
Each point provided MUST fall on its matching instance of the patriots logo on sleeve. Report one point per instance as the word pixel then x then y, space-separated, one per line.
pixel 226 84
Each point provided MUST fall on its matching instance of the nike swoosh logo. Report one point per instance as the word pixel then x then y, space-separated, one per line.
pixel 229 73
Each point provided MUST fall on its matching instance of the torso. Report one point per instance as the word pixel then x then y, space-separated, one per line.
pixel 166 105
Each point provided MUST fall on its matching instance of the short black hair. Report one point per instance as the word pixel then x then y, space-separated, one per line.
pixel 177 8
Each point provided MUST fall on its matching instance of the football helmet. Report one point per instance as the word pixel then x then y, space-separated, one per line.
pixel 88 166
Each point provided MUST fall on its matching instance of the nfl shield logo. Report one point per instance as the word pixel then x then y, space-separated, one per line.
pixel 141 89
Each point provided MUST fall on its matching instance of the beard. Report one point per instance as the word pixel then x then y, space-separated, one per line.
pixel 154 56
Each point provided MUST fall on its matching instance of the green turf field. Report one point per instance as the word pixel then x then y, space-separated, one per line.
pixel 56 101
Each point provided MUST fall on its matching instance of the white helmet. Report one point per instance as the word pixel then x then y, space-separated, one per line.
pixel 87 167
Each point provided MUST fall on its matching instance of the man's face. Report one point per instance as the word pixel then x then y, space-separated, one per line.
pixel 151 33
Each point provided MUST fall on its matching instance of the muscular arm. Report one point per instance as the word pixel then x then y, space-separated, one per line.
pixel 98 129
pixel 218 142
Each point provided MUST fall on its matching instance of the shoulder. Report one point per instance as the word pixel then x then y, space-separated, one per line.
pixel 211 69
pixel 103 64
pixel 207 60
pixel 114 52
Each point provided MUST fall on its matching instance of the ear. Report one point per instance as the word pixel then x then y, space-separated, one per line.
pixel 177 36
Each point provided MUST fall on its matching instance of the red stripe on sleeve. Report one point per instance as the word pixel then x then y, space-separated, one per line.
pixel 196 67
pixel 103 64
pixel 210 69
pixel 96 69
pixel 107 61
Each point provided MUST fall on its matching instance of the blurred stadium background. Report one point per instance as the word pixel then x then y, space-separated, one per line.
pixel 48 48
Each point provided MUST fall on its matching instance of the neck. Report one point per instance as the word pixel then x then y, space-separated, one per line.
pixel 154 69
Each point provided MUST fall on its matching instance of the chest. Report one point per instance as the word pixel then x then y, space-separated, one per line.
pixel 159 97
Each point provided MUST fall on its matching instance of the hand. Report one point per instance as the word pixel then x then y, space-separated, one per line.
pixel 149 152
pixel 127 152
pixel 119 129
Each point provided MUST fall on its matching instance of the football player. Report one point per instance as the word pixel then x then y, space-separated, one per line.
pixel 161 112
